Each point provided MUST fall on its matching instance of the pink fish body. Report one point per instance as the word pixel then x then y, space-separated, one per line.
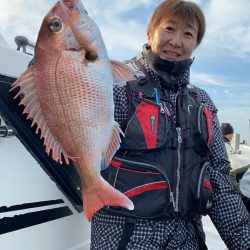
pixel 68 94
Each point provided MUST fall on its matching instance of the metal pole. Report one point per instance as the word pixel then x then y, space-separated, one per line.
pixel 248 141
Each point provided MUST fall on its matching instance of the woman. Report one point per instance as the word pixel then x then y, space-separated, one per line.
pixel 172 163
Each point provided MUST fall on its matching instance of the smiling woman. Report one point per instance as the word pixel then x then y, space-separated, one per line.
pixel 181 28
pixel 169 155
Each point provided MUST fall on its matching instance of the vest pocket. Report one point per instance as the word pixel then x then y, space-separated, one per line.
pixel 147 126
pixel 204 135
pixel 202 190
pixel 145 186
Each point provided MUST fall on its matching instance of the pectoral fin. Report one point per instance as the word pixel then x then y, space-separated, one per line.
pixel 113 146
pixel 121 72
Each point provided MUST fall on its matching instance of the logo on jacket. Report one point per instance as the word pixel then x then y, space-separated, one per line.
pixel 209 204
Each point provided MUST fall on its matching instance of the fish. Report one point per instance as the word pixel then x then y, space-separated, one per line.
pixel 68 94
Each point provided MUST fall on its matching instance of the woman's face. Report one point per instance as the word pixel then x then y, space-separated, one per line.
pixel 174 39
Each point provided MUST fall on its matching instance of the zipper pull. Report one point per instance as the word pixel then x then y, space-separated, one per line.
pixel 156 96
pixel 178 129
pixel 161 108
pixel 172 198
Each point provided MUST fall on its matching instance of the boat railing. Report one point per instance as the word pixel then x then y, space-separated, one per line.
pixel 23 43
pixel 6 130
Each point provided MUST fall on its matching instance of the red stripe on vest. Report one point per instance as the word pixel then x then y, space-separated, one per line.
pixel 145 188
pixel 209 118
pixel 118 164
pixel 208 185
pixel 147 115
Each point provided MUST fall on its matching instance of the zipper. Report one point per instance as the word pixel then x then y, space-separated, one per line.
pixel 148 99
pixel 203 169
pixel 199 117
pixel 152 167
pixel 178 172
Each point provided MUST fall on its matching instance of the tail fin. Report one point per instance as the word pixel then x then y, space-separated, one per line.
pixel 104 195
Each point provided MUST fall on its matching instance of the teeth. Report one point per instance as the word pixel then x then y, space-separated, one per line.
pixel 172 53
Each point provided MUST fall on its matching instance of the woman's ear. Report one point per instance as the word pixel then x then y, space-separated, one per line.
pixel 149 37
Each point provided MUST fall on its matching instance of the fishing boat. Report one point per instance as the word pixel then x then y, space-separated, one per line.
pixel 40 204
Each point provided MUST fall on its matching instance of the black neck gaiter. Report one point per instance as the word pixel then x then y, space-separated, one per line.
pixel 172 74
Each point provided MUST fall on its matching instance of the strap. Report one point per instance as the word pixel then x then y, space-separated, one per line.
pixel 200 234
pixel 201 242
pixel 127 233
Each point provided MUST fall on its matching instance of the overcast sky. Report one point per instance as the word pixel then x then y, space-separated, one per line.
pixel 222 61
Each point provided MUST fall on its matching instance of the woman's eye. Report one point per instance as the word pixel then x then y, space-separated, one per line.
pixel 169 28
pixel 188 34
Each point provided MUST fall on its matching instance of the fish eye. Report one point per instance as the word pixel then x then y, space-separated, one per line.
pixel 55 24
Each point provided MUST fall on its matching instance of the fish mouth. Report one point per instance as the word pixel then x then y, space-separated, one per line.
pixel 82 27
pixel 71 43
pixel 88 56
pixel 75 49
pixel 69 3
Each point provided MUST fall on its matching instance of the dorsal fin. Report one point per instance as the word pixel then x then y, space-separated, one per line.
pixel 121 72
pixel 33 108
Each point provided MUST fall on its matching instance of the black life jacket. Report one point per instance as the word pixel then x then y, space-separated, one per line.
pixel 163 164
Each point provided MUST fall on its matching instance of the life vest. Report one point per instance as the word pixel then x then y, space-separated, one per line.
pixel 163 163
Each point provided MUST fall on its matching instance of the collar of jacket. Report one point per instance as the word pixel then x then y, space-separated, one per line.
pixel 172 74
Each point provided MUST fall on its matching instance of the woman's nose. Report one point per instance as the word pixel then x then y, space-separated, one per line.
pixel 176 40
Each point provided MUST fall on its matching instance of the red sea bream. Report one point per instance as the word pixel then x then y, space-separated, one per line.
pixel 68 93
